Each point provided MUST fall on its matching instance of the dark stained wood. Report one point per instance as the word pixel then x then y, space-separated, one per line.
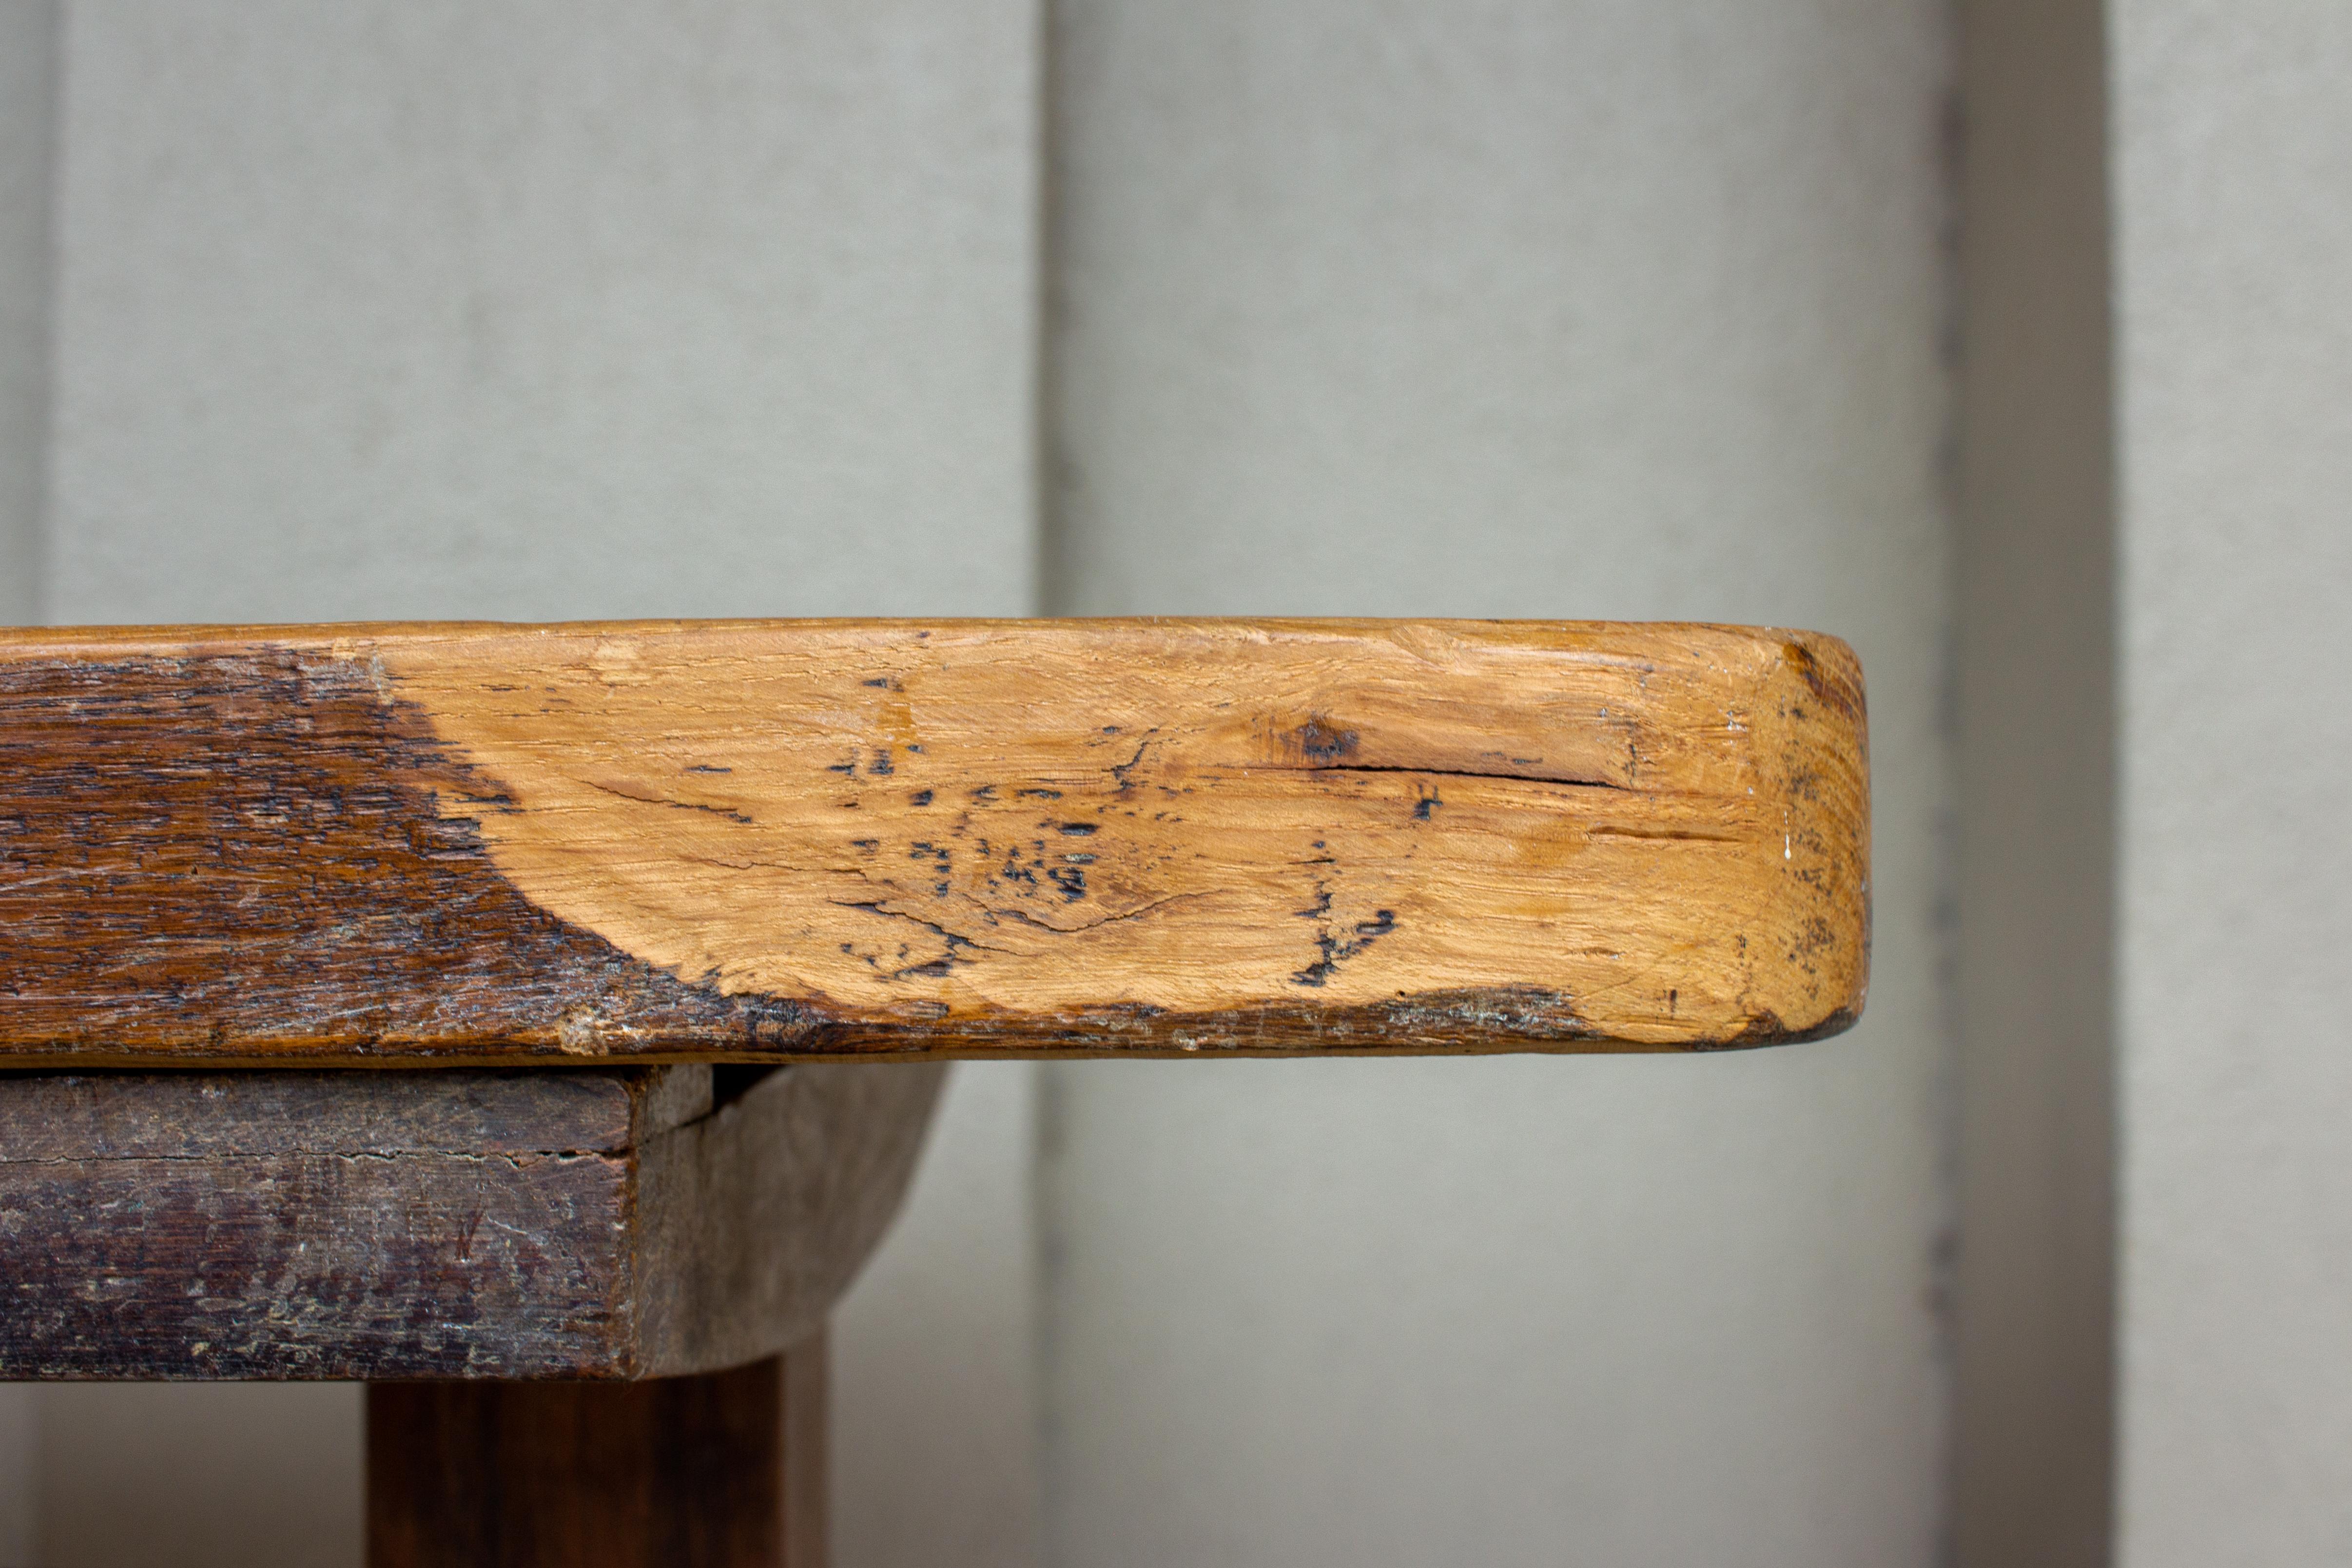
pixel 597 1223
pixel 760 841
pixel 721 1471
pixel 65 1117
pixel 195 851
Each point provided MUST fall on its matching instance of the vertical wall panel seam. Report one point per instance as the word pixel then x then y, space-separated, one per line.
pixel 2033 1432
pixel 1951 329
pixel 1055 570
pixel 1049 597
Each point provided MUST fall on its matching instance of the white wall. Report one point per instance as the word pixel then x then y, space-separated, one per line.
pixel 28 117
pixel 2233 136
pixel 547 310
pixel 1519 309
pixel 28 38
pixel 186 1476
pixel 542 309
pixel 935 1414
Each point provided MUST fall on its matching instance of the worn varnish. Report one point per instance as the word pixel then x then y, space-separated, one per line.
pixel 753 841
pixel 612 1223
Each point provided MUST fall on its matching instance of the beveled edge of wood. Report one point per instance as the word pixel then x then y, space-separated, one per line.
pixel 815 1159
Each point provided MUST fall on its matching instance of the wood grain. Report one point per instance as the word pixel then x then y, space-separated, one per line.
pixel 607 1223
pixel 753 841
pixel 721 1471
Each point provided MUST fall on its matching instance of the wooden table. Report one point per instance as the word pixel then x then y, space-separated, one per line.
pixel 669 927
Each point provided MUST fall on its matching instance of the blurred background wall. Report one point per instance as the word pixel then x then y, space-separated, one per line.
pixel 2008 341
pixel 2232 177
pixel 544 311
pixel 1522 309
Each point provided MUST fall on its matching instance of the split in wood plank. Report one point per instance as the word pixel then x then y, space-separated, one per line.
pixel 421 845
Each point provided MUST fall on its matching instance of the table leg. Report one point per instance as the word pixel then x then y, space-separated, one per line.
pixel 721 1471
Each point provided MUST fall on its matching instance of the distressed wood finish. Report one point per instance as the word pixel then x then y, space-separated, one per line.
pixel 723 1470
pixel 605 1223
pixel 667 842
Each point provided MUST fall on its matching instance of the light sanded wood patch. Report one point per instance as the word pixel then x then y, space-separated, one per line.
pixel 830 837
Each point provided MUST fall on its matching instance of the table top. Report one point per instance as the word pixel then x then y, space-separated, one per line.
pixel 436 845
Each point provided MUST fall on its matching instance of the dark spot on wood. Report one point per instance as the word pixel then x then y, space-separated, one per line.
pixel 1078 830
pixel 921 797
pixel 958 949
pixel 1119 770
pixel 1322 741
pixel 1837 694
pixel 1335 952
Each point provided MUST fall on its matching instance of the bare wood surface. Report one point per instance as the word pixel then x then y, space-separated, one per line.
pixel 746 840
pixel 603 1223
pixel 720 1470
